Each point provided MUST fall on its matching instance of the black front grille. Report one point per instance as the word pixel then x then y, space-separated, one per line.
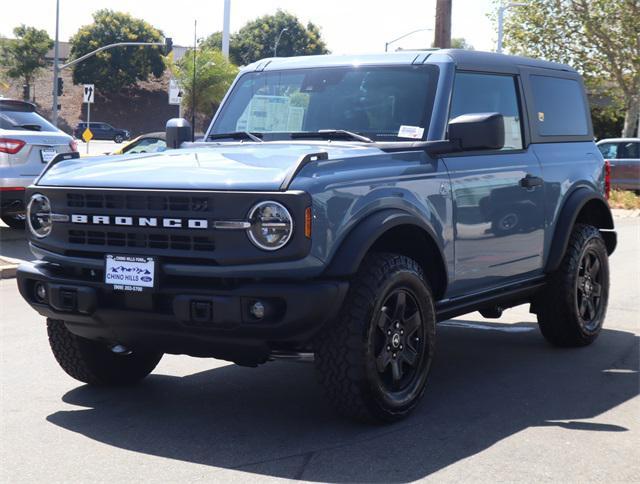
pixel 141 240
pixel 142 202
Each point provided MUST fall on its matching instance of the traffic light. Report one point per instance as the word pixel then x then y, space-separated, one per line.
pixel 60 86
pixel 168 46
pixel 25 92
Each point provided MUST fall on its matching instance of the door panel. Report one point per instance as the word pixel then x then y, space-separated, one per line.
pixel 498 196
pixel 499 224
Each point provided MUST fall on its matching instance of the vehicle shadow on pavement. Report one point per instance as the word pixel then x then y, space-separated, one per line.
pixel 13 244
pixel 486 385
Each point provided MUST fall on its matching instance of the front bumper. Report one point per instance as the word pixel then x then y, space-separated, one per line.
pixel 195 318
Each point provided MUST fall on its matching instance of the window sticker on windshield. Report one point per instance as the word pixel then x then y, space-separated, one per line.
pixel 413 132
pixel 267 113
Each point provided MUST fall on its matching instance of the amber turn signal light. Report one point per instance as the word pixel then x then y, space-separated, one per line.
pixel 307 223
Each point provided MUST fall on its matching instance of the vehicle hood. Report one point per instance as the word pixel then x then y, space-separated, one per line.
pixel 224 166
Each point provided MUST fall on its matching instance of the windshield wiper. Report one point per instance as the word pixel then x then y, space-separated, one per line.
pixel 30 127
pixel 235 135
pixel 331 134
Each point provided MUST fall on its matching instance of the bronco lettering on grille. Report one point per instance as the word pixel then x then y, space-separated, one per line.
pixel 172 223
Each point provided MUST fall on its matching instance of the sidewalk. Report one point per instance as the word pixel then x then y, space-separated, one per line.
pixel 8 267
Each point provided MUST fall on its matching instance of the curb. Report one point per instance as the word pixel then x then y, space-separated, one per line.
pixel 8 268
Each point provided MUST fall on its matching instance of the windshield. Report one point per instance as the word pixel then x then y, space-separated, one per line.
pixel 24 121
pixel 381 103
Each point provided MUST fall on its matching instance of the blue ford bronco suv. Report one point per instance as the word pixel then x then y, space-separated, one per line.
pixel 337 209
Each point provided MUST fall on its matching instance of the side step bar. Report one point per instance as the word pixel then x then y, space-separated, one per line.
pixel 497 299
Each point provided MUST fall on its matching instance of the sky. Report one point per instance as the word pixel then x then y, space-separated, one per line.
pixel 348 26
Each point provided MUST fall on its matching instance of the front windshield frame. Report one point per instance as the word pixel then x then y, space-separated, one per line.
pixel 217 125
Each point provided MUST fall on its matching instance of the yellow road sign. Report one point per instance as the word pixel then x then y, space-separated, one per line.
pixel 87 135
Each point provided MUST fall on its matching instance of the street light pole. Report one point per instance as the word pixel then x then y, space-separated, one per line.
pixel 275 46
pixel 193 86
pixel 387 44
pixel 167 43
pixel 225 28
pixel 56 71
pixel 501 9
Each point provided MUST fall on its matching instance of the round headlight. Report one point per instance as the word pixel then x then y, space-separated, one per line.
pixel 39 216
pixel 271 225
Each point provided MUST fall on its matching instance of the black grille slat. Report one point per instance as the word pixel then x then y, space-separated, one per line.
pixel 176 203
pixel 141 240
pixel 141 204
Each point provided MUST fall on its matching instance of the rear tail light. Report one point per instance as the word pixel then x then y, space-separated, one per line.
pixel 12 189
pixel 607 179
pixel 10 146
pixel 73 144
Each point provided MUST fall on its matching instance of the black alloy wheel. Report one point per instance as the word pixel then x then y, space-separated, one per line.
pixel 589 290
pixel 399 343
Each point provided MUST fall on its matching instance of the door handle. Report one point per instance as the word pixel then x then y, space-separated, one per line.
pixel 530 181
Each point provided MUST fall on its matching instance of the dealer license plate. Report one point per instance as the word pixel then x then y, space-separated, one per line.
pixel 48 154
pixel 129 273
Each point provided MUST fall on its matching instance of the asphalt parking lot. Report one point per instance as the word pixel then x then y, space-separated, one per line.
pixel 501 405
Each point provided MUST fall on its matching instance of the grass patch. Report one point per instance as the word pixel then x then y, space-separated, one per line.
pixel 624 199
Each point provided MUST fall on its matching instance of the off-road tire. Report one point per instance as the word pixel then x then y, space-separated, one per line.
pixel 14 222
pixel 558 306
pixel 93 362
pixel 345 351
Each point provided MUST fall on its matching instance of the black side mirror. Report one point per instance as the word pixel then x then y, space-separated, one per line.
pixel 178 131
pixel 478 131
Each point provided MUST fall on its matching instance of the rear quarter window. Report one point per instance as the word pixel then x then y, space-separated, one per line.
pixel 559 106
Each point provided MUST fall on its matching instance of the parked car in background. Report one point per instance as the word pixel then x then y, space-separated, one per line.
pixel 145 143
pixel 27 143
pixel 623 155
pixel 102 131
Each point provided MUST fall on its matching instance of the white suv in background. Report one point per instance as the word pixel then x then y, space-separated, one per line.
pixel 27 143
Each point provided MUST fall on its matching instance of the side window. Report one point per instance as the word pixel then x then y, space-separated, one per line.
pixel 489 93
pixel 147 145
pixel 558 106
pixel 628 150
pixel 609 150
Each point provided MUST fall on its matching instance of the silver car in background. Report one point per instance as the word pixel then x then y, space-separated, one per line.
pixel 27 143
pixel 623 155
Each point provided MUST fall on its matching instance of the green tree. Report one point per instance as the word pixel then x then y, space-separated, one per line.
pixel 461 43
pixel 214 75
pixel 24 56
pixel 116 68
pixel 600 38
pixel 257 39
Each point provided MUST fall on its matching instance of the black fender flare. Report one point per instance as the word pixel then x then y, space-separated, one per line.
pixel 569 213
pixel 353 248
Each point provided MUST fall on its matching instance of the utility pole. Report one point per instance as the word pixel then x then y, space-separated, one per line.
pixel 225 28
pixel 443 24
pixel 56 71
